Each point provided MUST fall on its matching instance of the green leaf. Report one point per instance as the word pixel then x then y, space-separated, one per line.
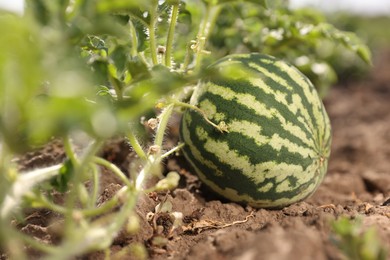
pixel 273 4
pixel 348 39
pixel 103 91
pixel 117 5
pixel 173 2
pixel 364 53
pixel 166 80
pixel 137 69
pixel 119 56
pixel 263 3
pixel 139 15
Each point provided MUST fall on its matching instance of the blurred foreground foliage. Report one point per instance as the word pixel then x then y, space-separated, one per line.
pixel 71 64
pixel 357 242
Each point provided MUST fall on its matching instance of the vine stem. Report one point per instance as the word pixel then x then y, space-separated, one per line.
pixel 154 160
pixel 97 234
pixel 116 85
pixel 23 184
pixel 139 181
pixel 69 150
pixel 113 168
pixel 152 34
pixel 5 156
pixel 48 249
pixel 212 12
pixel 136 145
pixel 187 58
pixel 90 212
pixel 79 170
pixel 95 187
pixel 171 35
pixel 221 127
pixel 134 39
pixel 173 150
pixel 162 126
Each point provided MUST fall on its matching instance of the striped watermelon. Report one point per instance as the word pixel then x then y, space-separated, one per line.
pixel 277 144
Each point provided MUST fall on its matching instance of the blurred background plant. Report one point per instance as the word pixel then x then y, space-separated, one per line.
pixel 303 37
pixel 356 242
pixel 97 67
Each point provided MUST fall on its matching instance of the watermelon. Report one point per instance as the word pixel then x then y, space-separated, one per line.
pixel 272 141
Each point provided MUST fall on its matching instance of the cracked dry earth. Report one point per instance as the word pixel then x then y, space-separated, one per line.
pixel 357 184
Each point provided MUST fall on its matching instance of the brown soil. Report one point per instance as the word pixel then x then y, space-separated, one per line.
pixel 357 184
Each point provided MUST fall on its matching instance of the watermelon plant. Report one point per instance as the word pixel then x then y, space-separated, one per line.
pixel 84 71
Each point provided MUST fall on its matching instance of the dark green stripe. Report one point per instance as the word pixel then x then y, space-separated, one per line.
pixel 245 87
pixel 237 111
pixel 327 131
pixel 260 59
pixel 294 192
pixel 271 67
pixel 297 89
pixel 247 147
pixel 234 178
pixel 243 185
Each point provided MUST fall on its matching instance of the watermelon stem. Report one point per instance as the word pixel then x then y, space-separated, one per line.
pixel 210 17
pixel 113 168
pixel 221 127
pixel 136 146
pixel 151 29
pixel 164 118
pixel 173 150
pixel 171 34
